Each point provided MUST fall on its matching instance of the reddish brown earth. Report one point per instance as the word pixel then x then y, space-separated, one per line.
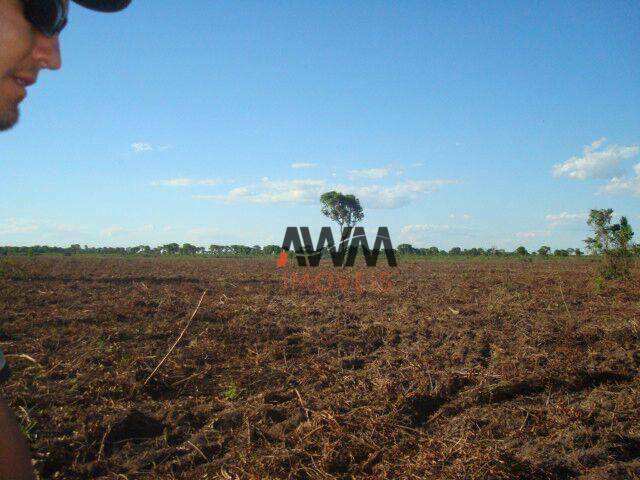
pixel 473 369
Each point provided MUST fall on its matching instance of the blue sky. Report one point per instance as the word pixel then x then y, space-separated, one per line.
pixel 456 124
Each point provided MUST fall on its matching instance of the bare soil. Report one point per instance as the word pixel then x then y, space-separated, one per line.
pixel 474 369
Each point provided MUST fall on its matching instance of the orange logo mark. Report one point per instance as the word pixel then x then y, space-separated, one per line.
pixel 282 259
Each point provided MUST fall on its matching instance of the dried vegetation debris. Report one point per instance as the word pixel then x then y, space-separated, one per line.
pixel 479 369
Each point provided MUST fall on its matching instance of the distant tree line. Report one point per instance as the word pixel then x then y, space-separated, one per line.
pixel 274 250
pixel 611 241
pixel 168 249
pixel 544 251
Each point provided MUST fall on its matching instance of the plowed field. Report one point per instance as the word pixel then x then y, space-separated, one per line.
pixel 460 369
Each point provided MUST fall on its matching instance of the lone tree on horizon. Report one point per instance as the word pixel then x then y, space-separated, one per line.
pixel 345 210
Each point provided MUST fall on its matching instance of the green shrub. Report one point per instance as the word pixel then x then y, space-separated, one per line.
pixel 612 242
pixel 230 393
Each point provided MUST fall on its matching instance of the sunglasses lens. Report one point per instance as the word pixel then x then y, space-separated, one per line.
pixel 47 16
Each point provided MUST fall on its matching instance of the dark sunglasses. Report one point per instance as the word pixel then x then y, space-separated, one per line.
pixel 48 17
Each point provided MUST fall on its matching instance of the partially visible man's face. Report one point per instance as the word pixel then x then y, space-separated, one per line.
pixel 23 53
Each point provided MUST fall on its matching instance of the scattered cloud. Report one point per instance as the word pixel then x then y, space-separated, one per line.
pixel 308 192
pixel 118 230
pixel 270 191
pixel 67 228
pixel 417 164
pixel 422 234
pixel 533 234
pixel 303 165
pixel 436 228
pixel 186 182
pixel 464 216
pixel 43 228
pixel 111 231
pixel 425 228
pixel 370 173
pixel 13 226
pixel 618 185
pixel 139 147
pixel 596 162
pixel 398 195
pixel 565 218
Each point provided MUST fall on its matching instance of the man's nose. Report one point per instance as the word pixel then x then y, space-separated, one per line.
pixel 46 52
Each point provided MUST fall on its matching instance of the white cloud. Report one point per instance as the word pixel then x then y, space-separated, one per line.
pixel 139 147
pixel 270 191
pixel 565 218
pixel 186 182
pixel 111 231
pixel 533 234
pixel 118 230
pixel 596 162
pixel 464 216
pixel 303 165
pixel 370 173
pixel 309 191
pixel 14 226
pixel 619 185
pixel 66 228
pixel 422 234
pixel 239 192
pixel 42 229
pixel 425 228
pixel 398 195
